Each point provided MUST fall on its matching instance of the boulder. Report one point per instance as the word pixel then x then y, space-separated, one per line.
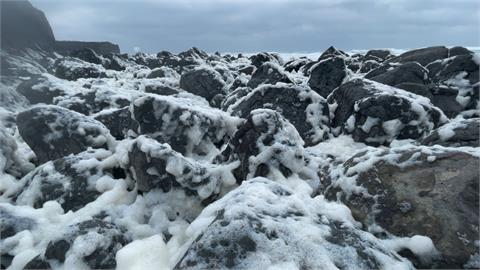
pixel 376 114
pixel 188 127
pixel 446 98
pixel 268 73
pixel 418 89
pixel 248 70
pixel 162 72
pixel 118 121
pixel 73 69
pixel 327 75
pixel 331 52
pixel 12 161
pixel 162 89
pixel 409 72
pixel 70 180
pixel 203 81
pixel 194 52
pixel 377 55
pixel 465 132
pixel 302 107
pixel 157 166
pixel 368 66
pixel 263 224
pixel 418 191
pixel 263 57
pixel 458 50
pixel 93 242
pixel 39 89
pixel 265 144
pixel 296 64
pixel 423 56
pixel 53 132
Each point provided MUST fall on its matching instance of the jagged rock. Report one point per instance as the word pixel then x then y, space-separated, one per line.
pixel 54 132
pixel 156 165
pixel 118 121
pixel 73 69
pixel 331 52
pixel 186 126
pixel 368 66
pixel 24 26
pixel 203 81
pixel 194 53
pixel 423 56
pixel 87 55
pixel 454 69
pixel 114 62
pixel 409 72
pixel 104 239
pixel 69 180
pixel 454 51
pixel 263 224
pixel 376 114
pixel 234 96
pixel 268 73
pixel 240 81
pixel 327 75
pixel 302 107
pixel 264 144
pixel 456 133
pixel 416 192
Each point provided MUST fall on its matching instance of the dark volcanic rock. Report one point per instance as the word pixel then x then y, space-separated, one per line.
pixel 302 107
pixel 162 89
pixel 69 180
pixel 423 56
pixel 381 55
pixel 296 64
pixel 445 98
pixel 331 52
pixel 327 75
pixel 162 72
pixel 103 238
pixel 118 121
pixel 53 132
pixel 11 224
pixel 417 89
pixel 456 133
pixel 263 224
pixel 268 73
pixel 87 55
pixel 409 72
pixel 187 127
pixel 263 57
pixel 265 143
pixel 38 89
pixel 248 70
pixel 101 48
pixel 376 114
pixel 204 82
pixel 157 166
pixel 23 26
pixel 408 192
pixel 73 69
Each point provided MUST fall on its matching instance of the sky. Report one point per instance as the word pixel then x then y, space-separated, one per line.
pixel 265 25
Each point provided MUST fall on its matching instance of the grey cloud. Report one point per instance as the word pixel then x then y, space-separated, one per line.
pixel 247 26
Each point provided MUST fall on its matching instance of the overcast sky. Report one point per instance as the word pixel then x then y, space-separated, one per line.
pixel 265 25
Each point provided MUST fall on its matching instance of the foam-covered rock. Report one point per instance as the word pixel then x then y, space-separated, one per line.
pixel 87 55
pixel 268 73
pixel 263 57
pixel 331 52
pixel 118 121
pixel 327 75
pixel 39 89
pixel 263 224
pixel 418 191
pixel 265 144
pixel 423 56
pixel 73 69
pixel 203 81
pixel 91 243
pixel 188 127
pixel 53 132
pixel 377 114
pixel 301 106
pixel 409 72
pixel 70 180
pixel 157 166
pixel 465 132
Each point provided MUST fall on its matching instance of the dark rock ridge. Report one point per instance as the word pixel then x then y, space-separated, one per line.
pixel 67 47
